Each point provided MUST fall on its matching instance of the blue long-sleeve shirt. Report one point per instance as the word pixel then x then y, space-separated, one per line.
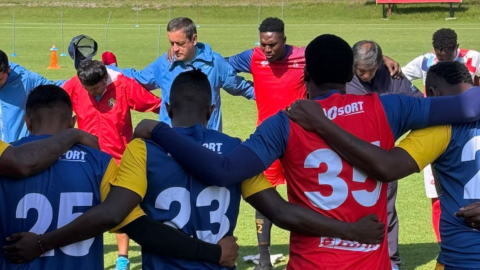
pixel 161 73
pixel 13 98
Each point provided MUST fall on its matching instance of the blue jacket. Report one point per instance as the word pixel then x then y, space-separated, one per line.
pixel 161 73
pixel 13 98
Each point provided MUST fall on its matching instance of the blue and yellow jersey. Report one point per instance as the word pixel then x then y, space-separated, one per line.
pixel 75 183
pixel 173 196
pixel 453 152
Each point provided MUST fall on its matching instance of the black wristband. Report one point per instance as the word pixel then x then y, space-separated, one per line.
pixel 162 240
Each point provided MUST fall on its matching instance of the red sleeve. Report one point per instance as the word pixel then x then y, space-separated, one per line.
pixel 140 99
pixel 70 85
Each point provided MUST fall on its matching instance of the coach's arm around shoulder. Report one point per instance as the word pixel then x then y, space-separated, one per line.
pixel 31 158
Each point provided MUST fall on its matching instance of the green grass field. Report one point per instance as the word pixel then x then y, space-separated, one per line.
pixel 230 29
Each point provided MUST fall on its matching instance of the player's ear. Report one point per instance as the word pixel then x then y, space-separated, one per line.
pixel 350 78
pixel 432 92
pixel 28 122
pixel 306 74
pixel 73 121
pixel 194 39
pixel 169 110
pixel 210 112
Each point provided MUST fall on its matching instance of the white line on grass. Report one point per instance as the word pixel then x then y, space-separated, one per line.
pixel 244 25
pixel 152 28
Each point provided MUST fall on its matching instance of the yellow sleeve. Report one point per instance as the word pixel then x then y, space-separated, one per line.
pixel 426 145
pixel 254 185
pixel 3 146
pixel 109 178
pixel 132 174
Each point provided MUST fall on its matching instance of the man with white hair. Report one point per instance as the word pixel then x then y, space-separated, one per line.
pixel 372 76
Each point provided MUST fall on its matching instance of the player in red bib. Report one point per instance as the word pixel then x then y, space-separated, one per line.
pixel 277 70
pixel 318 177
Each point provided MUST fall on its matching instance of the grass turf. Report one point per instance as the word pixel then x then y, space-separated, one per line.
pixel 230 29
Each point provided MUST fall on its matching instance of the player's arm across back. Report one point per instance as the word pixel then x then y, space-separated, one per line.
pixel 146 76
pixel 90 224
pixel 156 237
pixel 153 236
pixel 232 83
pixel 221 170
pixel 241 62
pixel 259 193
pixel 34 157
pixel 121 204
pixel 393 66
pixel 382 165
pixel 270 138
pixel 38 79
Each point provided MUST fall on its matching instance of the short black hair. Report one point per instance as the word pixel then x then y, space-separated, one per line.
pixel 445 39
pixel 452 72
pixel 48 96
pixel 3 61
pixel 329 59
pixel 91 72
pixel 272 25
pixel 182 23
pixel 190 91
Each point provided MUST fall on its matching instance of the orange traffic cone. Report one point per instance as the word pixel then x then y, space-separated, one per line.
pixel 53 58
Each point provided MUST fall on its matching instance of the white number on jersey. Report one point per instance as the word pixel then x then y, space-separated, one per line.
pixel 339 186
pixel 205 198
pixel 472 188
pixel 68 200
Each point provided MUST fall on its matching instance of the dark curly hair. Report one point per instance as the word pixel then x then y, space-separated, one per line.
pixel 445 39
pixel 452 72
pixel 272 25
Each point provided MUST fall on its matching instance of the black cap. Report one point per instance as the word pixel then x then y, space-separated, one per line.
pixel 82 48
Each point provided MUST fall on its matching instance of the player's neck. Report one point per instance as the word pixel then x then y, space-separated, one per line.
pixel 323 89
pixel 465 86
pixel 453 90
pixel 48 129
pixel 188 121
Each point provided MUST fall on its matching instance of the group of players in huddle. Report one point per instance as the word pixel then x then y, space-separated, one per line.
pixel 178 188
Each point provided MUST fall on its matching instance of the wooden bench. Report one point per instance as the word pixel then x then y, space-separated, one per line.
pixel 390 3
